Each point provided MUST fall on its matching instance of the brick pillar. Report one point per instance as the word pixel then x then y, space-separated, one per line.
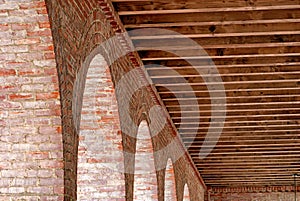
pixel 31 166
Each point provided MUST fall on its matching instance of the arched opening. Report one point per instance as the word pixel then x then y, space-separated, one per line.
pixel 145 181
pixel 186 193
pixel 170 186
pixel 100 141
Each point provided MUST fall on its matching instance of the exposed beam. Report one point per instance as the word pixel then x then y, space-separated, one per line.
pixel 135 5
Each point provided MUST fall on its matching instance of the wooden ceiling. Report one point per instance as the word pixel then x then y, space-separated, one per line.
pixel 255 46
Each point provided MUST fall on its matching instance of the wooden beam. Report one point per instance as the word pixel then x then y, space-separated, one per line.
pixel 136 5
pixel 217 27
pixel 151 54
pixel 206 10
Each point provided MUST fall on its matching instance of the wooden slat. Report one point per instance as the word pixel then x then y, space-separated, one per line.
pixel 205 10
pixel 229 93
pixel 212 40
pixel 213 16
pixel 155 54
pixel 136 5
pixel 255 46
pixel 217 27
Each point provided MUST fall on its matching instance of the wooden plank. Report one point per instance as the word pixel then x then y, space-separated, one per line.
pixel 232 71
pixel 141 44
pixel 151 54
pixel 172 46
pixel 209 23
pixel 250 78
pixel 221 61
pixel 247 145
pixel 229 85
pixel 230 93
pixel 206 161
pixel 241 118
pixel 240 124
pixel 237 112
pixel 216 16
pixel 240 99
pixel 216 28
pixel 205 10
pixel 135 5
pixel 205 57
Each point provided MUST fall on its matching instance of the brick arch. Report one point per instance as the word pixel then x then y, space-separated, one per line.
pixel 78 28
pixel 76 40
pixel 100 148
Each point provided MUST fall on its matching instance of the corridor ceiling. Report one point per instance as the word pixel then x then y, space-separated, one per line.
pixel 251 74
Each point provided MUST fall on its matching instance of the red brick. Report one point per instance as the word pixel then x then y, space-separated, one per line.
pixel 7 72
pixel 44 24
pixel 18 65
pixel 51 164
pixel 45 32
pixel 17 27
pixel 22 96
pixel 41 47
pixel 4 27
pixel 39 155
pixel 49 55
pixel 42 11
pixel 47 96
pixel 40 190
pixel 28 41
pixel 30 71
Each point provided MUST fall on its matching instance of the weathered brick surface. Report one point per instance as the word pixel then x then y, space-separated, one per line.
pixel 100 140
pixel 170 185
pixel 145 181
pixel 39 68
pixel 79 29
pixel 30 129
pixel 276 193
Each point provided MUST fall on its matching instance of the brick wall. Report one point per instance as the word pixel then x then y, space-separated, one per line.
pixel 170 185
pixel 100 142
pixel 38 92
pixel 31 166
pixel 145 181
pixel 276 193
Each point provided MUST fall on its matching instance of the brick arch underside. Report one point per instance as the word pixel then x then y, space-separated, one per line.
pixel 79 28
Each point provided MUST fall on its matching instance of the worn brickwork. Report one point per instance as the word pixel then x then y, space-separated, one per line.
pixel 100 158
pixel 276 193
pixel 48 126
pixel 170 185
pixel 31 166
pixel 79 30
pixel 145 181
